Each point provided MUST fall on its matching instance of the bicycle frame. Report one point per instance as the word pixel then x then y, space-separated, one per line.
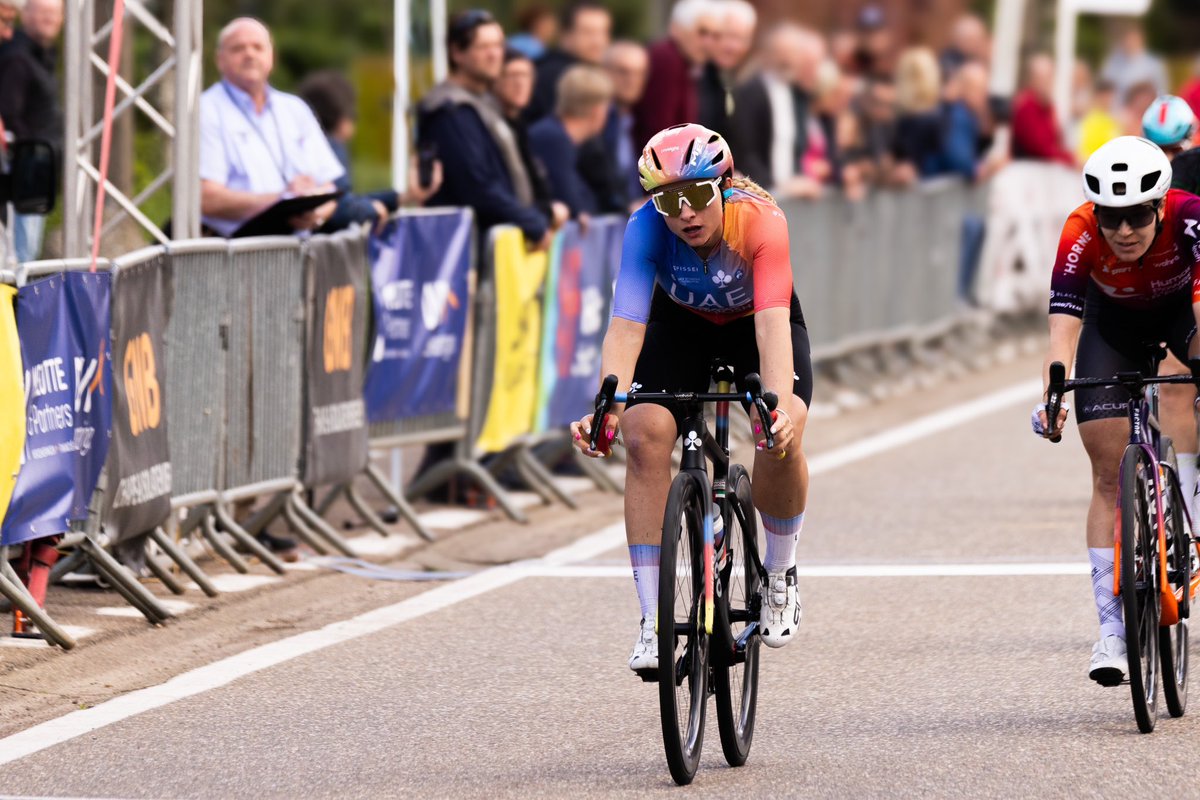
pixel 1145 432
pixel 699 442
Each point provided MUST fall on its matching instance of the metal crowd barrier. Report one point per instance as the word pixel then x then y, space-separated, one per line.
pixel 880 271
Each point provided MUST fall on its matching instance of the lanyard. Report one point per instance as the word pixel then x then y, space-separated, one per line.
pixel 282 168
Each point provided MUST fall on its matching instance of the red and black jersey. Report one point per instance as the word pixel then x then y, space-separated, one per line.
pixel 1170 267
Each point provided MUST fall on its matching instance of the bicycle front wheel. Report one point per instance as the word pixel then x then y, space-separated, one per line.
pixel 1140 581
pixel 1173 639
pixel 682 641
pixel 735 672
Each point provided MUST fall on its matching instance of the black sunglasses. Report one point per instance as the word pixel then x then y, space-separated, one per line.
pixel 1137 216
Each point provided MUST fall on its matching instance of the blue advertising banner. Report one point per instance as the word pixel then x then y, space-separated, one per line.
pixel 63 324
pixel 578 295
pixel 420 275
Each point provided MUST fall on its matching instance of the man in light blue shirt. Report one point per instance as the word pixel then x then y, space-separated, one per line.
pixel 258 145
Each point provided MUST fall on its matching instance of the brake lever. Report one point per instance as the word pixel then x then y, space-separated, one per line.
pixel 1054 397
pixel 604 400
pixel 764 403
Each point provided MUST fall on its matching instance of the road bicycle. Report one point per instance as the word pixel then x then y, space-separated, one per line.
pixel 1154 574
pixel 708 607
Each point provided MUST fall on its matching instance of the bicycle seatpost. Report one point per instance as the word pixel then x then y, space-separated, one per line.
pixel 1054 396
pixel 604 401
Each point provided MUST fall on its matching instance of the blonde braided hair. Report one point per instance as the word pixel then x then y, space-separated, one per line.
pixel 747 185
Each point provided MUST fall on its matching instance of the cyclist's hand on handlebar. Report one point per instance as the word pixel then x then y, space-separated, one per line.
pixel 1039 423
pixel 782 428
pixel 581 436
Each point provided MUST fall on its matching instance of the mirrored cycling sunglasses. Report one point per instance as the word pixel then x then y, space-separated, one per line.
pixel 669 202
pixel 1137 216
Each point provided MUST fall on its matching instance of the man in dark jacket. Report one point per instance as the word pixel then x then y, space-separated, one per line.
pixel 586 28
pixel 29 102
pixel 735 34
pixel 671 96
pixel 482 166
pixel 584 97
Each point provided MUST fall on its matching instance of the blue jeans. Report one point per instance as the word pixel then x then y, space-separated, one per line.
pixel 27 236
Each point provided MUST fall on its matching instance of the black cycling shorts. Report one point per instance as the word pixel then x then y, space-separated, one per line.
pixel 1117 339
pixel 680 346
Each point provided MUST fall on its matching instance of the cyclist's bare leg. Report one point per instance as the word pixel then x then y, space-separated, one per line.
pixel 649 433
pixel 1177 406
pixel 781 484
pixel 1104 440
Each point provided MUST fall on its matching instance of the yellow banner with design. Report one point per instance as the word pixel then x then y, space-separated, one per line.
pixel 519 276
pixel 12 399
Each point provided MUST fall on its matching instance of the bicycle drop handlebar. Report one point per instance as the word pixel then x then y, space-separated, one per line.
pixel 763 402
pixel 1133 382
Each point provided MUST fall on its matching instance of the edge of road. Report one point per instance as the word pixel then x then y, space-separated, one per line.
pixel 902 428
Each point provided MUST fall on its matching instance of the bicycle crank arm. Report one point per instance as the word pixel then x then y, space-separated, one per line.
pixel 743 641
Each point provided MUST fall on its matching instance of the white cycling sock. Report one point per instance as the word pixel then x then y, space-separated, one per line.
pixel 1108 607
pixel 1187 481
pixel 782 537
pixel 646 559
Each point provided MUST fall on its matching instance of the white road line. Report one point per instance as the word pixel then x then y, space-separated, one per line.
pixel 1013 569
pixel 926 426
pixel 225 671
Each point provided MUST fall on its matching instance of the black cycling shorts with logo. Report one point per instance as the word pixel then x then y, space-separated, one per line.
pixel 680 346
pixel 1116 339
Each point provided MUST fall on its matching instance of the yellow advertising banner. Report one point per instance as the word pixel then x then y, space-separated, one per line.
pixel 519 276
pixel 12 399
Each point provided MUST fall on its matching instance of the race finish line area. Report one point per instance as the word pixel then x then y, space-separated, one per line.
pixel 930 665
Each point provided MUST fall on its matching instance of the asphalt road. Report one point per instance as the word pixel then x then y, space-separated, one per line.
pixel 909 679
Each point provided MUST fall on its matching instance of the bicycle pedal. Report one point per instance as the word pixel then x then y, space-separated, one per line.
pixel 647 675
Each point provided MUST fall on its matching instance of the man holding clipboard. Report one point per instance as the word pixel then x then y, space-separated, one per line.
pixel 265 166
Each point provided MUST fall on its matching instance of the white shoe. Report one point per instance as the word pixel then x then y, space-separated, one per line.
pixel 645 650
pixel 780 615
pixel 1109 661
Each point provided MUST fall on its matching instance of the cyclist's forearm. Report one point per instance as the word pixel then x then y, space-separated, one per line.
pixel 622 346
pixel 1064 336
pixel 773 332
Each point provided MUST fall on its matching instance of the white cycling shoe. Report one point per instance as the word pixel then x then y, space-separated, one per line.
pixel 781 613
pixel 1110 663
pixel 645 651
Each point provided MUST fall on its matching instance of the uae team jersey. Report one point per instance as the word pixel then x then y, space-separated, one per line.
pixel 748 271
pixel 1170 268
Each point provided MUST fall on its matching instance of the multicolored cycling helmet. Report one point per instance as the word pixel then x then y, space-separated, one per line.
pixel 1127 171
pixel 1169 121
pixel 688 152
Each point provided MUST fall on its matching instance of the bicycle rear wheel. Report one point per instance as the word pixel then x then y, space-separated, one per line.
pixel 1139 582
pixel 1173 639
pixel 735 673
pixel 682 641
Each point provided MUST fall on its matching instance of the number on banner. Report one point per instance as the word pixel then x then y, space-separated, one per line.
pixel 339 326
pixel 141 385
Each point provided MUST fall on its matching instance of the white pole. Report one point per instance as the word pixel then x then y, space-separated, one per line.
pixel 400 99
pixel 1064 60
pixel 437 29
pixel 1006 60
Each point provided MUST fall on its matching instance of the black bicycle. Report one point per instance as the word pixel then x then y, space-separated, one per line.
pixel 708 606
pixel 1153 542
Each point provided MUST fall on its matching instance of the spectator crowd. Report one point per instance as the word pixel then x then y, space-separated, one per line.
pixel 546 123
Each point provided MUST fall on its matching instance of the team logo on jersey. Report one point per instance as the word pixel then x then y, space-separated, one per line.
pixel 1190 230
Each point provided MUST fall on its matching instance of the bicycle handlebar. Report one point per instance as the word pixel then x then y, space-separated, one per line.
pixel 1131 381
pixel 763 402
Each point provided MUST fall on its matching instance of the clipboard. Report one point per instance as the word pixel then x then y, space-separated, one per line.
pixel 273 220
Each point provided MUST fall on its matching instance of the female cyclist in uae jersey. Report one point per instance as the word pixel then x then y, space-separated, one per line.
pixel 705 273
pixel 1125 279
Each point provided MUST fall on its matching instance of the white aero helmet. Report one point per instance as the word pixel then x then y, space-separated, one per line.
pixel 1127 171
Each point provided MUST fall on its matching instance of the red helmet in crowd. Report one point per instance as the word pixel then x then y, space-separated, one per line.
pixel 688 152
